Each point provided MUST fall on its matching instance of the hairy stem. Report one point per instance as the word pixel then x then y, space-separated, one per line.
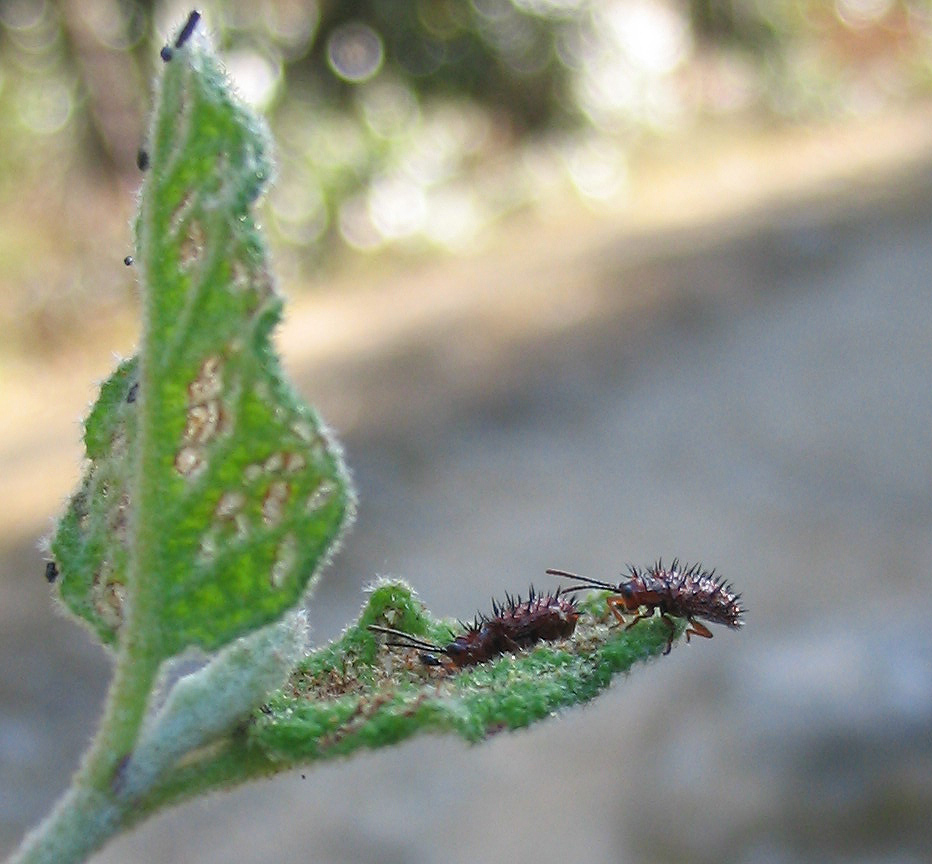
pixel 92 810
pixel 82 821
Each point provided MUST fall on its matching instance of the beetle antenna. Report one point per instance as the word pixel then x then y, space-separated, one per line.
pixel 400 639
pixel 587 582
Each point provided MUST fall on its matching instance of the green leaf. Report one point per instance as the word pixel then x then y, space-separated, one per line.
pixel 206 706
pixel 212 494
pixel 91 544
pixel 355 693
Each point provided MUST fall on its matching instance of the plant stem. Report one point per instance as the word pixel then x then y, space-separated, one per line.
pixel 82 821
pixel 86 817
pixel 126 707
pixel 92 810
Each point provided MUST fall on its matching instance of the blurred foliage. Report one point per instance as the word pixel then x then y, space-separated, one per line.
pixel 411 124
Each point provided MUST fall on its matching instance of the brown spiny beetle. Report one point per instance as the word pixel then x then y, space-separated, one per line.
pixel 513 625
pixel 675 592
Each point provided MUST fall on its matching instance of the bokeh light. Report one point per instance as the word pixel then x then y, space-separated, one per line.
pixel 419 125
pixel 256 75
pixel 862 13
pixel 355 52
pixel 44 108
pixel 628 77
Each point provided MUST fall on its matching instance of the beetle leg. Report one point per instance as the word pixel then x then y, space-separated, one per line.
pixel 697 629
pixel 613 603
pixel 672 628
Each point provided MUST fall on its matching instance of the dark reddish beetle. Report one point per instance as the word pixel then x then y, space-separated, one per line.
pixel 675 591
pixel 514 625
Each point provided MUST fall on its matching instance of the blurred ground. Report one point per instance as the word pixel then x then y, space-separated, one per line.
pixel 740 376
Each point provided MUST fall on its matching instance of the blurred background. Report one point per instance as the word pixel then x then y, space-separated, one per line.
pixel 578 284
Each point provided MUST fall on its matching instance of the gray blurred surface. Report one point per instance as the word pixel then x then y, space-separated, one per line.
pixel 771 417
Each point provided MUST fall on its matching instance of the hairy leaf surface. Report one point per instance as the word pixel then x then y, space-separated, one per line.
pixel 212 494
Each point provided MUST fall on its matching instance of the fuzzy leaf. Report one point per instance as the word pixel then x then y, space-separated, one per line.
pixel 91 544
pixel 355 693
pixel 205 705
pixel 207 476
